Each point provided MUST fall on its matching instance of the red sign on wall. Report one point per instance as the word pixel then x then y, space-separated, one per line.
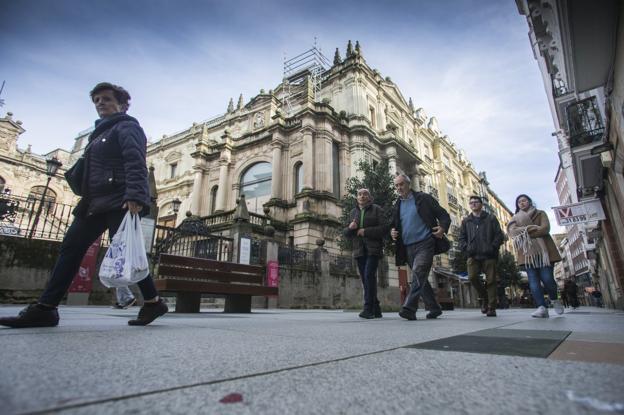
pixel 272 274
pixel 83 280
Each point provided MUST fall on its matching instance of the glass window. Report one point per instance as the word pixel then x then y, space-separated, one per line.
pixel 298 177
pixel 174 167
pixel 256 186
pixel 2 184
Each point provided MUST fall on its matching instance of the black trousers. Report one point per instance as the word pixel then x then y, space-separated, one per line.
pixel 80 235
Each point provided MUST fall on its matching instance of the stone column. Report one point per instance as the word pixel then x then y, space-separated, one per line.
pixel 196 201
pixel 324 163
pixel 223 185
pixel 391 153
pixel 308 159
pixel 277 172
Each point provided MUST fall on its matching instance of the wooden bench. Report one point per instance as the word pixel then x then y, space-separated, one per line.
pixel 189 278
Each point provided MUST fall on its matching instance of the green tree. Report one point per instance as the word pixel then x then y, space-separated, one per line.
pixel 508 273
pixel 458 264
pixel 377 179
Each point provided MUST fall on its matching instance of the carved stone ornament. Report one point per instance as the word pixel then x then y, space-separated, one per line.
pixel 259 119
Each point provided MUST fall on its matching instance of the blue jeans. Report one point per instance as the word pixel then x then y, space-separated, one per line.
pixel 539 276
pixel 420 259
pixel 124 295
pixel 367 266
pixel 79 237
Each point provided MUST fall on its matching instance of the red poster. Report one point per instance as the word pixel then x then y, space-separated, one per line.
pixel 272 274
pixel 83 280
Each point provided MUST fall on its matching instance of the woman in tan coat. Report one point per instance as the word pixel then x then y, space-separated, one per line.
pixel 535 249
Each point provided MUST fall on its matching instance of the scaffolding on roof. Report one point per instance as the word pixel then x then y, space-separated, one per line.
pixel 309 64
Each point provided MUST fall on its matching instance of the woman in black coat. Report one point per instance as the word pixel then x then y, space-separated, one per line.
pixel 367 230
pixel 115 181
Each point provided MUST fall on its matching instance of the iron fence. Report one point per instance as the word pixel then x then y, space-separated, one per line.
pixel 192 243
pixel 342 264
pixel 18 217
pixel 288 255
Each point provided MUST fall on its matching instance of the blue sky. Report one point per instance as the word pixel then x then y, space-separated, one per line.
pixel 468 63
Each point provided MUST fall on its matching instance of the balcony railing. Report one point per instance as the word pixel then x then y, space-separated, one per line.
pixel 453 201
pixel 434 192
pixel 584 122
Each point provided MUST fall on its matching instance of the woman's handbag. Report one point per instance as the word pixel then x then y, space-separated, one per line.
pixel 75 176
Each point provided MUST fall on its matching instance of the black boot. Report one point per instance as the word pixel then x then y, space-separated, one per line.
pixel 35 315
pixel 377 311
pixel 367 314
pixel 149 312
pixel 484 305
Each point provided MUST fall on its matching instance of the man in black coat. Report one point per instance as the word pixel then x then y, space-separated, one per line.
pixel 480 239
pixel 367 229
pixel 115 182
pixel 419 227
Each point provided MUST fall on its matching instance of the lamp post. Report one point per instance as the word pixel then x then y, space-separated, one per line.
pixel 52 166
pixel 175 204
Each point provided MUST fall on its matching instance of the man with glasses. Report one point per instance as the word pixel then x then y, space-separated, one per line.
pixel 480 239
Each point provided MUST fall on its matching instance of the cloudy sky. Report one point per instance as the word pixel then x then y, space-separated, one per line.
pixel 468 63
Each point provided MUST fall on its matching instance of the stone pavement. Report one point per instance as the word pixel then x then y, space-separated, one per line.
pixel 315 362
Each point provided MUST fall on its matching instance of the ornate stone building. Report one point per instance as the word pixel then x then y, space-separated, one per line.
pixel 578 47
pixel 292 148
pixel 22 183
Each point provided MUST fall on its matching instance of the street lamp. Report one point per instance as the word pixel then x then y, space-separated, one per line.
pixel 52 166
pixel 175 204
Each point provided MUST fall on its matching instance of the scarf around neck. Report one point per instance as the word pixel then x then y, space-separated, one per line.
pixel 534 249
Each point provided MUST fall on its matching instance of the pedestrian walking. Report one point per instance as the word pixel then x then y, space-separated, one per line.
pixel 571 290
pixel 125 298
pixel 564 298
pixel 535 249
pixel 367 230
pixel 114 181
pixel 480 239
pixel 419 225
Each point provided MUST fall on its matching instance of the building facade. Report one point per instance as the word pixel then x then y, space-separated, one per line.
pixel 579 48
pixel 23 181
pixel 291 149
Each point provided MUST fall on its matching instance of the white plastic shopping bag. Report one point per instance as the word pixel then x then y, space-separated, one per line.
pixel 125 262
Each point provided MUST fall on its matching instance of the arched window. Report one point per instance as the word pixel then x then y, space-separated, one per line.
pixel 256 186
pixel 298 177
pixel 35 197
pixel 2 184
pixel 213 199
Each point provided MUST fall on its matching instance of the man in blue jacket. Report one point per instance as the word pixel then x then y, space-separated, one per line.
pixel 114 182
pixel 419 227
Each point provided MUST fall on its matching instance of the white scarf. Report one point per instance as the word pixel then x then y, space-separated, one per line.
pixel 534 249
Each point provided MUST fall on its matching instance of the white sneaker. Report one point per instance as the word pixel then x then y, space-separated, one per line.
pixel 558 307
pixel 541 312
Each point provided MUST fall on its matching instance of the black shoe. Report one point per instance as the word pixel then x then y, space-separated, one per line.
pixel 377 312
pixel 34 315
pixel 434 314
pixel 484 307
pixel 123 306
pixel 491 312
pixel 407 314
pixel 366 314
pixel 149 312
